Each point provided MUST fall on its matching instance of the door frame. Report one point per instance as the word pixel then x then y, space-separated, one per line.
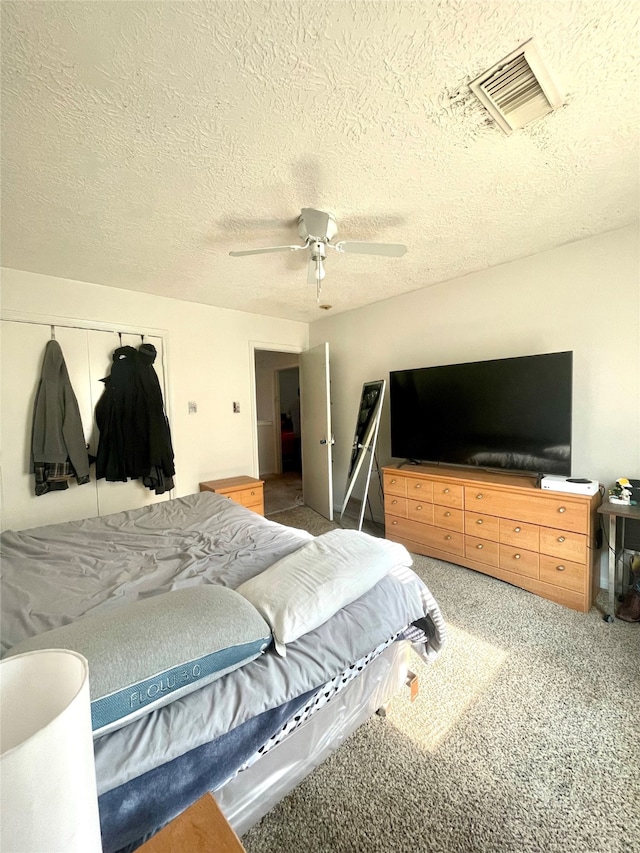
pixel 271 347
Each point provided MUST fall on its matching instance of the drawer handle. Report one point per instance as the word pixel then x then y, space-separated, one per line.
pixel 447 514
pixel 446 491
pixel 418 485
pixel 394 502
pixel 560 568
pixel 562 509
pixel 252 493
pixel 560 538
pixel 479 497
pixel 516 530
pixel 447 538
pixel 393 482
pixel 394 522
pixel 516 556
pixel 479 521
pixel 419 507
pixel 479 547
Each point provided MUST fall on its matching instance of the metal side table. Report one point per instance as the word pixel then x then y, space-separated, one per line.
pixel 616 511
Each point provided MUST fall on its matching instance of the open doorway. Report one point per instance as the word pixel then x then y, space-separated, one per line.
pixel 277 378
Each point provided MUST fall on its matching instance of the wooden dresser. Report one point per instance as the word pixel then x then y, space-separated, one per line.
pixel 243 490
pixel 499 524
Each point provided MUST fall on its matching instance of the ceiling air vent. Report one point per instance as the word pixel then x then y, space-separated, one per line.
pixel 518 89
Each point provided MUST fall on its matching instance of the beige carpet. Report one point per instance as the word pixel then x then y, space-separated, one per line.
pixel 525 737
pixel 282 492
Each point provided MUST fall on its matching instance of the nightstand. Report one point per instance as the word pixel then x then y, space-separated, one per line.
pixel 243 490
pixel 202 828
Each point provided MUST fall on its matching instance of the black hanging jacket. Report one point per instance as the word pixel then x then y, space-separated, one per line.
pixel 135 439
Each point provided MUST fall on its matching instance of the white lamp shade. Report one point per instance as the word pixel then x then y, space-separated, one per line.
pixel 48 796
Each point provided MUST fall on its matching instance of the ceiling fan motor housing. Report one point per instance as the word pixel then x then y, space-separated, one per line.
pixel 316 225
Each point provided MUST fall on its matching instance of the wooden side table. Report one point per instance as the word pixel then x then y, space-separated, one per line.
pixel 202 828
pixel 243 490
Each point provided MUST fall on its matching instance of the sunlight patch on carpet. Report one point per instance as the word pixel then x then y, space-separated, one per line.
pixel 458 679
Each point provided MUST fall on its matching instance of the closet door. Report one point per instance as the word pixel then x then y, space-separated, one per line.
pixel 115 497
pixel 22 347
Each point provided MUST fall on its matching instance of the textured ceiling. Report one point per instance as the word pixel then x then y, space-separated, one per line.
pixel 142 141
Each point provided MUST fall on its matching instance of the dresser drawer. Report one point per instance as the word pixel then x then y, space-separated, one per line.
pixel 451 519
pixel 395 505
pixel 395 484
pixel 420 511
pixel 421 490
pixel 448 494
pixel 483 526
pixel 562 573
pixel 425 534
pixel 519 561
pixel 550 511
pixel 482 550
pixel 519 534
pixel 561 543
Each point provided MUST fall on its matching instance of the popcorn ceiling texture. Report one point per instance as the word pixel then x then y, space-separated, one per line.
pixel 141 142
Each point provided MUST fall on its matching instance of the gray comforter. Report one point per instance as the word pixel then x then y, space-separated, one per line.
pixel 55 574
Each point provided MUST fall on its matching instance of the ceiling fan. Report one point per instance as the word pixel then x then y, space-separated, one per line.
pixel 318 229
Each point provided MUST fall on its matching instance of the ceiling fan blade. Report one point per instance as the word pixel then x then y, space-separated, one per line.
pixel 391 250
pixel 265 251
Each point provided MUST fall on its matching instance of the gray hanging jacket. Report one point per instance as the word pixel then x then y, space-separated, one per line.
pixel 58 437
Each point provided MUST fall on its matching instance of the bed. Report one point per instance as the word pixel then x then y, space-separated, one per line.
pixel 254 729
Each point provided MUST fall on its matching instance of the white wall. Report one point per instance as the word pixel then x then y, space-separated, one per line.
pixel 584 297
pixel 208 359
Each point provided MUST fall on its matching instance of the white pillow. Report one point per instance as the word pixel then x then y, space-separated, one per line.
pixel 304 589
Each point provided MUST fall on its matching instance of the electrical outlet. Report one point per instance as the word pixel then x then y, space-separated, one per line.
pixel 193 407
pixel 236 408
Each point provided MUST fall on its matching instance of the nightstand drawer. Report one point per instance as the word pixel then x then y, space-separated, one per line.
pixel 249 497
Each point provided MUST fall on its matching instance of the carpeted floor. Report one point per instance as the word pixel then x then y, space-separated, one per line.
pixel 282 492
pixel 525 737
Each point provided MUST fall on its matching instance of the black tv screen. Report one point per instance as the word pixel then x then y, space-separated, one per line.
pixel 507 413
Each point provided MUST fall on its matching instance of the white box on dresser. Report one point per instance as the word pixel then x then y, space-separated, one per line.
pixel 499 524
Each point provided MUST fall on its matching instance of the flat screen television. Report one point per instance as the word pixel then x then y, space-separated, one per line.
pixel 508 413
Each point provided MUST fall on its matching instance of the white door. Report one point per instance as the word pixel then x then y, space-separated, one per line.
pixel 317 439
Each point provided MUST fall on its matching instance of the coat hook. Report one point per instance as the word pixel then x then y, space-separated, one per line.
pixel 120 337
pixel 53 333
